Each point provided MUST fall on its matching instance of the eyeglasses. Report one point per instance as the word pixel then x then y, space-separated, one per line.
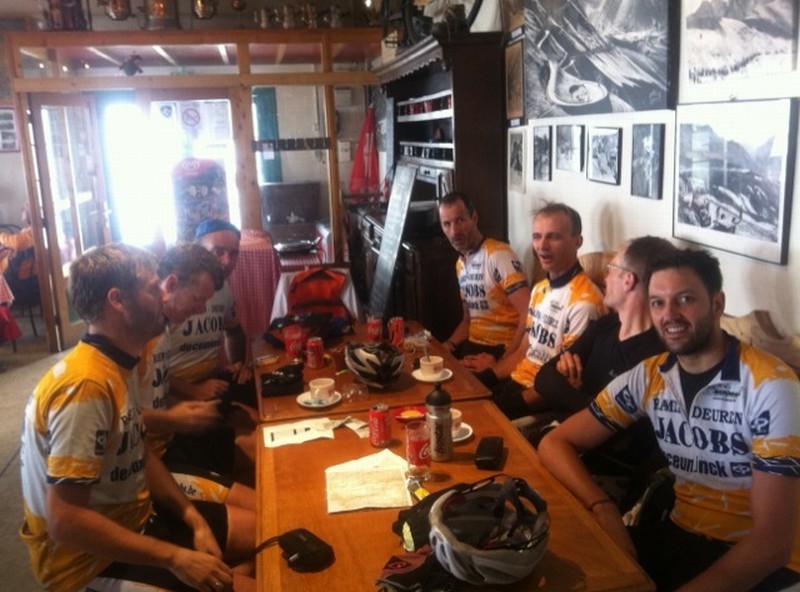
pixel 610 266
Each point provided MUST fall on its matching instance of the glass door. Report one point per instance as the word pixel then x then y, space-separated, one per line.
pixel 73 194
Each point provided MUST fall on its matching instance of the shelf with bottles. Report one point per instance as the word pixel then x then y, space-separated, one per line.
pixel 434 106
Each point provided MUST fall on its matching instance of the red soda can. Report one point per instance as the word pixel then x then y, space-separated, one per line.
pixel 380 426
pixel 374 329
pixel 315 352
pixel 397 331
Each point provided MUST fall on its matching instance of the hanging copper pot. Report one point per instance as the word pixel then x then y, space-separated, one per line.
pixel 160 15
pixel 118 10
pixel 205 9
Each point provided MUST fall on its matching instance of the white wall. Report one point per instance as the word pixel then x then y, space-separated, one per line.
pixel 612 215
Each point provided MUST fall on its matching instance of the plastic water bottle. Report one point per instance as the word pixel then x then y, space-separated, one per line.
pixel 440 424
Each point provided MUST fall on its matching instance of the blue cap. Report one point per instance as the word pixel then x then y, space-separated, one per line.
pixel 213 225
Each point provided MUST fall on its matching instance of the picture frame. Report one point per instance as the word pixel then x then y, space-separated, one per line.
pixel 9 132
pixel 647 160
pixel 542 153
pixel 569 147
pixel 741 53
pixel 515 84
pixel 734 176
pixel 516 159
pixel 603 159
pixel 599 56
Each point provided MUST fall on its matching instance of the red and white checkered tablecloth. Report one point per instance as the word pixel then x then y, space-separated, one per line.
pixel 7 296
pixel 253 282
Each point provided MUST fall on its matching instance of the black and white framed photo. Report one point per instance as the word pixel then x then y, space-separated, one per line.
pixel 604 156
pixel 647 159
pixel 599 56
pixel 542 155
pixel 569 147
pixel 734 176
pixel 516 159
pixel 738 50
pixel 9 134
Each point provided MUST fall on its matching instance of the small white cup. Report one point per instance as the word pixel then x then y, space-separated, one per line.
pixel 431 366
pixel 321 389
pixel 456 415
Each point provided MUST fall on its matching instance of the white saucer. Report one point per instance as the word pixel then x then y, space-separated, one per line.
pixel 445 374
pixel 306 401
pixel 463 433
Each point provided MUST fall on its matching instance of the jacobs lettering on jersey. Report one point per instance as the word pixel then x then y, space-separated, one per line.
pixel 679 432
pixel 131 438
pixel 160 376
pixel 203 325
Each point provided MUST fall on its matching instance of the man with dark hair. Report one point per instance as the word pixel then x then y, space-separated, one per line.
pixel 493 285
pixel 560 308
pixel 189 275
pixel 89 484
pixel 726 415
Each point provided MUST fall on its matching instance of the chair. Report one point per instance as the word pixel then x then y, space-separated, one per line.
pixel 594 264
pixel 24 282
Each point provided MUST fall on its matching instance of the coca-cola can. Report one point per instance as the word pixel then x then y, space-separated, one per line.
pixel 380 426
pixel 397 330
pixel 315 352
pixel 374 329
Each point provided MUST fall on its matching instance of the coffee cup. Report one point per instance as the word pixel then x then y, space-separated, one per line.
pixel 321 390
pixel 431 366
pixel 455 414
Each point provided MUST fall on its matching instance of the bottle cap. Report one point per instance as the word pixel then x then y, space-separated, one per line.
pixel 438 397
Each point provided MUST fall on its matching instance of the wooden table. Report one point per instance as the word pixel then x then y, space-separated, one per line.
pixel 406 390
pixel 291 494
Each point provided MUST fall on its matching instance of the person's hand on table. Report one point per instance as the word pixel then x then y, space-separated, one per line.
pixel 196 416
pixel 571 368
pixel 478 362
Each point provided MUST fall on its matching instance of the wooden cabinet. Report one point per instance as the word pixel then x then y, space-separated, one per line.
pixel 447 111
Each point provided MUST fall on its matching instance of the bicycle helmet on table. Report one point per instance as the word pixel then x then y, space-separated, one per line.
pixel 486 535
pixel 377 364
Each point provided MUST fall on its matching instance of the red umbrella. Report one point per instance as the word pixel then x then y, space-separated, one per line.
pixel 364 176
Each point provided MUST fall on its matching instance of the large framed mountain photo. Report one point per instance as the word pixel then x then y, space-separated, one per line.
pixel 738 50
pixel 734 176
pixel 599 56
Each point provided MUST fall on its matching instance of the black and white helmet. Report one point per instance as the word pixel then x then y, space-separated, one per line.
pixel 486 535
pixel 377 364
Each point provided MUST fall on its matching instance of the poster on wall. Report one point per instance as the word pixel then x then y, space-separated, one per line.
pixel 604 158
pixel 598 56
pixel 734 176
pixel 542 156
pixel 733 50
pixel 516 160
pixel 569 147
pixel 647 159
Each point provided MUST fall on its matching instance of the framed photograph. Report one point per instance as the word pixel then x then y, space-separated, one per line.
pixel 738 50
pixel 569 147
pixel 516 160
pixel 542 158
pixel 599 56
pixel 603 161
pixel 9 134
pixel 647 160
pixel 734 176
pixel 515 85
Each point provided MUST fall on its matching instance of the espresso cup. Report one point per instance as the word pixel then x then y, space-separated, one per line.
pixel 321 389
pixel 456 415
pixel 431 366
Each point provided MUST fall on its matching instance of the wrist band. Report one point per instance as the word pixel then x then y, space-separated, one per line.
pixel 597 502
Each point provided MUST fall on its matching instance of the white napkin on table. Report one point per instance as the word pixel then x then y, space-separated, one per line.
pixel 374 481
